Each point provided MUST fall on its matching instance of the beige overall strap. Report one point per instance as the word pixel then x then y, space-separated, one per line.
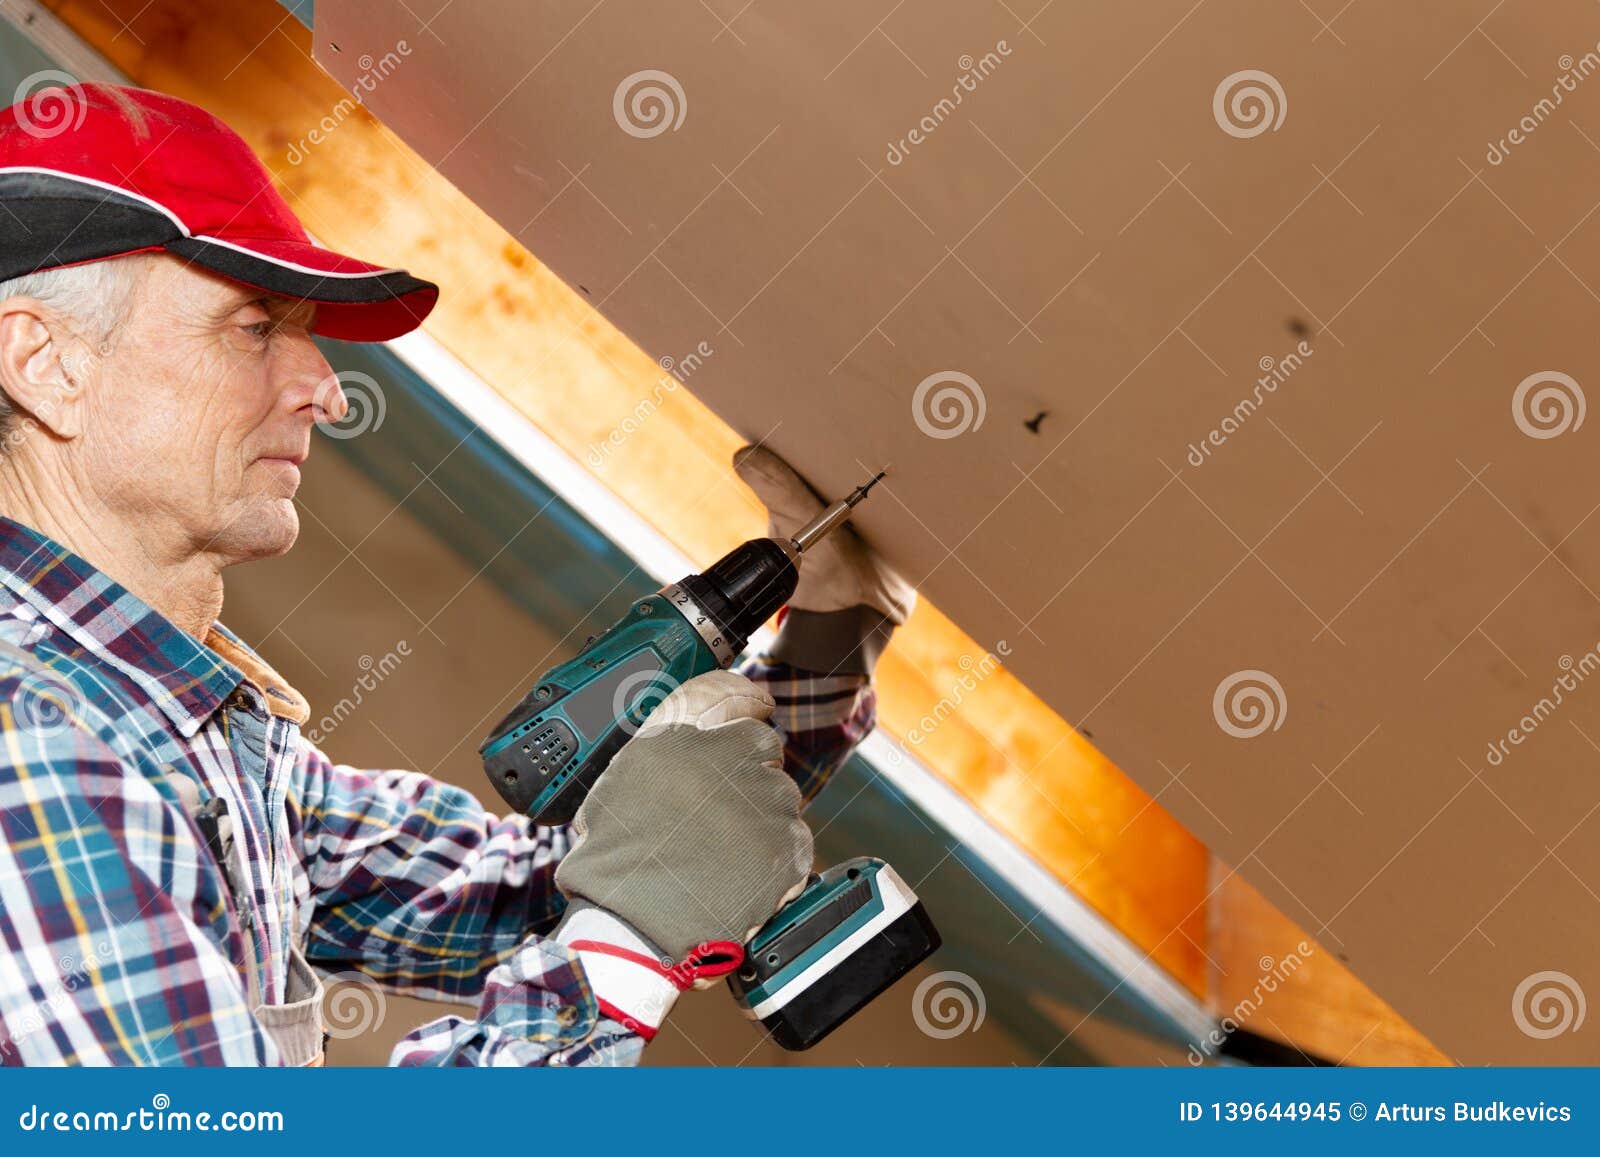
pixel 296 1024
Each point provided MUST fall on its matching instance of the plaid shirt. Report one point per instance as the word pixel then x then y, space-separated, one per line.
pixel 122 943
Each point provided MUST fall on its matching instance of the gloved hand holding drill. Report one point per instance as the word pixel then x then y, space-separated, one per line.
pixel 688 842
pixel 692 839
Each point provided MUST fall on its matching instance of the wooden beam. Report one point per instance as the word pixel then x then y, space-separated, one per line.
pixel 1273 979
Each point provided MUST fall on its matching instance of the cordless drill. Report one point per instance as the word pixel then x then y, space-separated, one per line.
pixel 857 927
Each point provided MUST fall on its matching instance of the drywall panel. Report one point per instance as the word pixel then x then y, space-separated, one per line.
pixel 1230 357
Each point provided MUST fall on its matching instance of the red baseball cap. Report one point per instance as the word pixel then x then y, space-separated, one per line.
pixel 90 171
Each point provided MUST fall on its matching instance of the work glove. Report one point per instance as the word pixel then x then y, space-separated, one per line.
pixel 848 601
pixel 688 842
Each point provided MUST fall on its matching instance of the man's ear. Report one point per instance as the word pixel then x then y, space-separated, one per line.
pixel 43 367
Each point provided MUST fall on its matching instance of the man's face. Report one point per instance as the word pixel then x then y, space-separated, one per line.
pixel 199 415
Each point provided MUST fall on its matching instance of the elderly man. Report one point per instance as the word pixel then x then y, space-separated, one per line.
pixel 174 853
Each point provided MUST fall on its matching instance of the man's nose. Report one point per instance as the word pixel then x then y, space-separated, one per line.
pixel 329 403
pixel 318 386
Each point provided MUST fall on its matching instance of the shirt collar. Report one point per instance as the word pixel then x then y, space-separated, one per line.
pixel 185 678
pixel 282 699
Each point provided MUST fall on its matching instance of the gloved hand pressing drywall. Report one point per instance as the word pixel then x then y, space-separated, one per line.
pixel 849 600
pixel 689 841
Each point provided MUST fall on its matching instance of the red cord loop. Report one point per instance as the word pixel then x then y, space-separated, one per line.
pixel 711 959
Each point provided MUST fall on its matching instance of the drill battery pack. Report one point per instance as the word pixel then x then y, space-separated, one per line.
pixel 794 980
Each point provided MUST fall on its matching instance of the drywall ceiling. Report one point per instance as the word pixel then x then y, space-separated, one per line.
pixel 1392 540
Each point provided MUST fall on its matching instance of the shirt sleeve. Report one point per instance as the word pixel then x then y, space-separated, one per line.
pixel 537 1009
pixel 821 717
pixel 413 883
pixel 102 963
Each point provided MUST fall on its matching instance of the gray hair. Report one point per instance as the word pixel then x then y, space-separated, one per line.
pixel 94 299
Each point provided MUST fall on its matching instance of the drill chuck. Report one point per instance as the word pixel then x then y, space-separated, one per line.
pixel 744 588
pixel 749 584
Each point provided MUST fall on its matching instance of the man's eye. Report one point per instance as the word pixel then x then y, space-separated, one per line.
pixel 260 330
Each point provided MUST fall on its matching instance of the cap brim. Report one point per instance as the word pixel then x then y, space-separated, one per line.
pixel 356 301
